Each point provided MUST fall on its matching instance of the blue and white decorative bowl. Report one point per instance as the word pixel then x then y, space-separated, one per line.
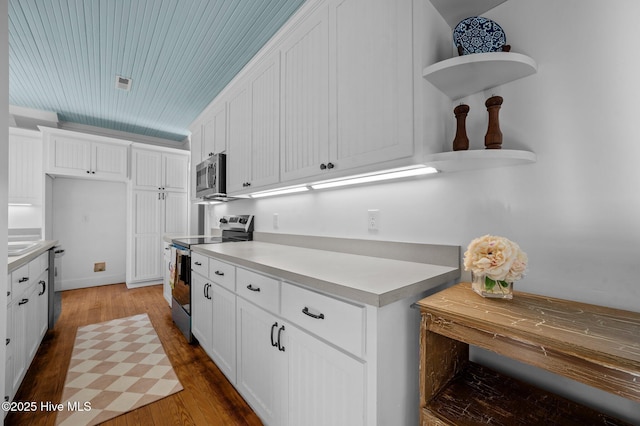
pixel 478 35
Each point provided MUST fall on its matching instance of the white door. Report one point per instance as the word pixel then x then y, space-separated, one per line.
pixel 109 160
pixel 261 370
pixel 146 169
pixel 223 336
pixel 147 239
pixel 42 306
pixel 166 271
pixel 201 308
pixel 326 386
pixel 305 102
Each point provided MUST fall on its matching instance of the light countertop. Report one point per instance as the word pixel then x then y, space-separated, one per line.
pixel 17 261
pixel 371 280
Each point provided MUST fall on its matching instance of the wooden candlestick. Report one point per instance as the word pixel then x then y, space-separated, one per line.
pixel 461 141
pixel 493 138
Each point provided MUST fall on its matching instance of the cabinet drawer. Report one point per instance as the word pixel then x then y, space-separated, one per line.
pixel 223 274
pixel 38 265
pixel 20 281
pixel 340 323
pixel 200 264
pixel 261 290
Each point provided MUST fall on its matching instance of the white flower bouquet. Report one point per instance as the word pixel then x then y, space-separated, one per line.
pixel 496 260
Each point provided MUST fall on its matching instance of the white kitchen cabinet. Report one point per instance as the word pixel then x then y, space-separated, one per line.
pixel 261 370
pixel 41 296
pixel 371 93
pixel 323 381
pixel 223 332
pixel 166 271
pixel 253 151
pixel 9 364
pixel 201 311
pixel 305 98
pixel 161 171
pixel 159 205
pixel 20 310
pixel 214 138
pixel 77 154
pixel 25 166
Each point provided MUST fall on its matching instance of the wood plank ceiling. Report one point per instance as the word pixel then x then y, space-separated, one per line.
pixel 65 55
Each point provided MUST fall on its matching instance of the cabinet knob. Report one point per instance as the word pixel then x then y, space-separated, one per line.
pixel 88 171
pixel 330 165
pixel 323 166
pixel 93 172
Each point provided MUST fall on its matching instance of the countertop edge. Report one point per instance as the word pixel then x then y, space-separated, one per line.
pixel 16 262
pixel 358 295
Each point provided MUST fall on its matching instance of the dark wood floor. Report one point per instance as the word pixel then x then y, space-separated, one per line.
pixel 207 399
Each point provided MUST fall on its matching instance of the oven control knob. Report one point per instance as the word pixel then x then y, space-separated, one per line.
pixel 243 220
pixel 223 220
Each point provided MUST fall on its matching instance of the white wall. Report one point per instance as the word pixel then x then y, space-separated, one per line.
pixel 89 221
pixel 575 212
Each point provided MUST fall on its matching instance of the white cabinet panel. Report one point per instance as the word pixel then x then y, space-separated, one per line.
pixel 201 311
pixel 147 212
pixel 372 93
pixel 214 139
pixel 175 172
pixel 175 212
pixel 146 169
pixel 239 133
pixel 110 160
pixel 305 98
pixel 166 271
pixel 145 262
pixel 223 333
pixel 70 155
pixel 326 386
pixel 261 370
pixel 25 167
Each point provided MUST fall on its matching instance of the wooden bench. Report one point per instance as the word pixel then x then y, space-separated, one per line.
pixel 592 344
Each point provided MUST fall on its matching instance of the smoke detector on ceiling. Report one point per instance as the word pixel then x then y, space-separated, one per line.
pixel 123 83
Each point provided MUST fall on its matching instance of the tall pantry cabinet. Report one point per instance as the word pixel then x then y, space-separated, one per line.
pixel 159 205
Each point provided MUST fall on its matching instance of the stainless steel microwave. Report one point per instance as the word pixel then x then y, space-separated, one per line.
pixel 211 177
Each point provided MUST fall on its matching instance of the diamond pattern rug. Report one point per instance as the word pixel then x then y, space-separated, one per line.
pixel 116 366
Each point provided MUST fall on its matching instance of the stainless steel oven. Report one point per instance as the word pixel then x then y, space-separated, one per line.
pixel 234 228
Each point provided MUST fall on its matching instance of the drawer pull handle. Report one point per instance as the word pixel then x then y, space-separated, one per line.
pixel 306 312
pixel 198 264
pixel 219 273
pixel 252 288
pixel 44 287
pixel 273 327
pixel 23 301
pixel 280 330
pixel 7 341
pixel 23 279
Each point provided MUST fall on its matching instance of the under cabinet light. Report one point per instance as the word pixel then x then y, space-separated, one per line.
pixel 21 204
pixel 279 192
pixel 386 175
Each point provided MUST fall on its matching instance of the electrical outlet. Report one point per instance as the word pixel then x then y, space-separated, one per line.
pixel 99 267
pixel 276 221
pixel 373 220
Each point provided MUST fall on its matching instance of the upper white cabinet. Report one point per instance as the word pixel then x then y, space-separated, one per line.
pixel 157 170
pixel 77 154
pixel 254 129
pixel 209 134
pixel 25 166
pixel 305 98
pixel 372 91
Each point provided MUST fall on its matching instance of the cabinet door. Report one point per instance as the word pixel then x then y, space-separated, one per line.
pixel 239 134
pixel 175 213
pixel 265 124
pixel 146 169
pixel 21 330
pixel 25 167
pixel 109 161
pixel 201 319
pixel 323 381
pixel 69 156
pixel 215 132
pixel 305 102
pixel 166 274
pixel 146 225
pixel 9 365
pixel 261 371
pixel 223 336
pixel 372 93
pixel 42 306
pixel 197 145
pixel 175 168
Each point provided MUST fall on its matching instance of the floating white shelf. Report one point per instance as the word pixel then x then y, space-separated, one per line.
pixel 465 75
pixel 454 11
pixel 457 161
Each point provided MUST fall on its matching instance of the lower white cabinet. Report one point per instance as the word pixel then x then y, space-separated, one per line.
pixel 201 319
pixel 166 271
pixel 27 321
pixel 261 373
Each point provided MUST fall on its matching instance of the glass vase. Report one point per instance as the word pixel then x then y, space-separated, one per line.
pixel 487 287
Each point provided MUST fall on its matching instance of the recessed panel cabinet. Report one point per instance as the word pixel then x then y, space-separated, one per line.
pixel 25 166
pixel 77 154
